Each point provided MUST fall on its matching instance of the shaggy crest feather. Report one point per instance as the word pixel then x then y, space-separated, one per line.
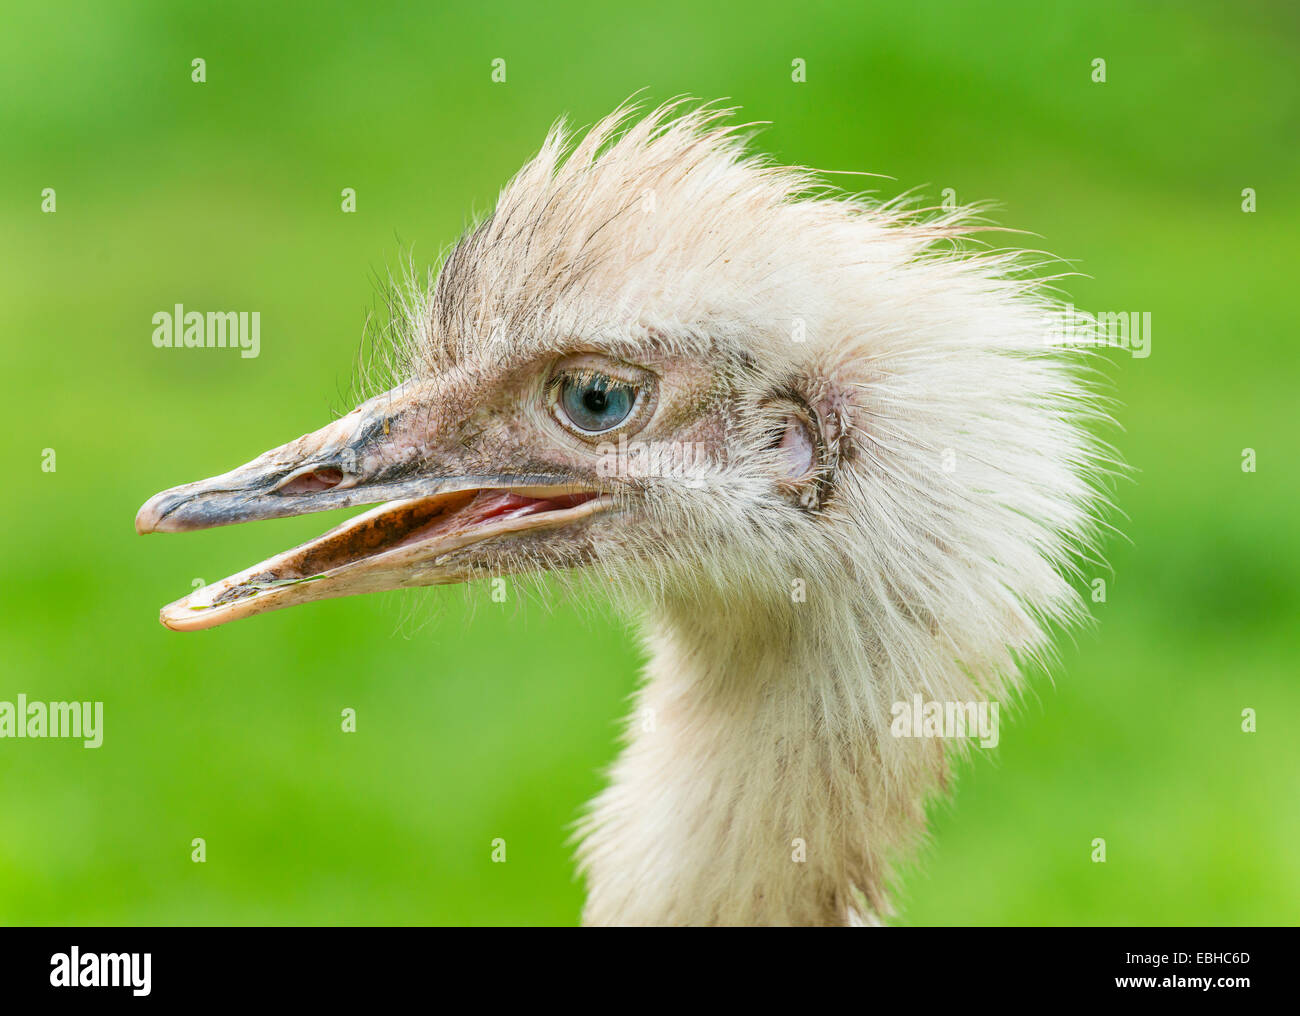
pixel 957 489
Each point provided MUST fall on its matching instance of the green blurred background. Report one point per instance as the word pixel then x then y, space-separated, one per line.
pixel 478 721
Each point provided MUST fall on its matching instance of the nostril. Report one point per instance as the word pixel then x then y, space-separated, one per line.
pixel 313 481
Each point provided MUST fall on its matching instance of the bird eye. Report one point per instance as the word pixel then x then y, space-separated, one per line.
pixel 595 403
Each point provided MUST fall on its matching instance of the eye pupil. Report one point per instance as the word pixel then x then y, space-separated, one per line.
pixel 595 400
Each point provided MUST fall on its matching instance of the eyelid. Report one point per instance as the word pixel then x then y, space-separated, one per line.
pixel 631 373
pixel 588 375
pixel 588 367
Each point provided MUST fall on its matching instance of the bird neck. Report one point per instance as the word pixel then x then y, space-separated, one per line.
pixel 759 783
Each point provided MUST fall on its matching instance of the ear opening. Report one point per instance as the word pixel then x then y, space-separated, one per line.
pixel 798 447
pixel 803 466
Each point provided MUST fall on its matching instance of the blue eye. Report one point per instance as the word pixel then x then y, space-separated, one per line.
pixel 595 403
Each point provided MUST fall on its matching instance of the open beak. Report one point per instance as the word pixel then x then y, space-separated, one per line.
pixel 377 453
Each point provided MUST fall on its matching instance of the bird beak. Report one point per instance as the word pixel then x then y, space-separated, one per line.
pixel 380 452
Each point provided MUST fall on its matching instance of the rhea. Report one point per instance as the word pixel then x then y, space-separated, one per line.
pixel 822 446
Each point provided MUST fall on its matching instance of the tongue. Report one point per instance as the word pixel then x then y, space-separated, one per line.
pixel 490 505
pixel 497 503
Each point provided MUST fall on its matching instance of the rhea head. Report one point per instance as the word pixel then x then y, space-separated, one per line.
pixel 821 443
pixel 699 373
